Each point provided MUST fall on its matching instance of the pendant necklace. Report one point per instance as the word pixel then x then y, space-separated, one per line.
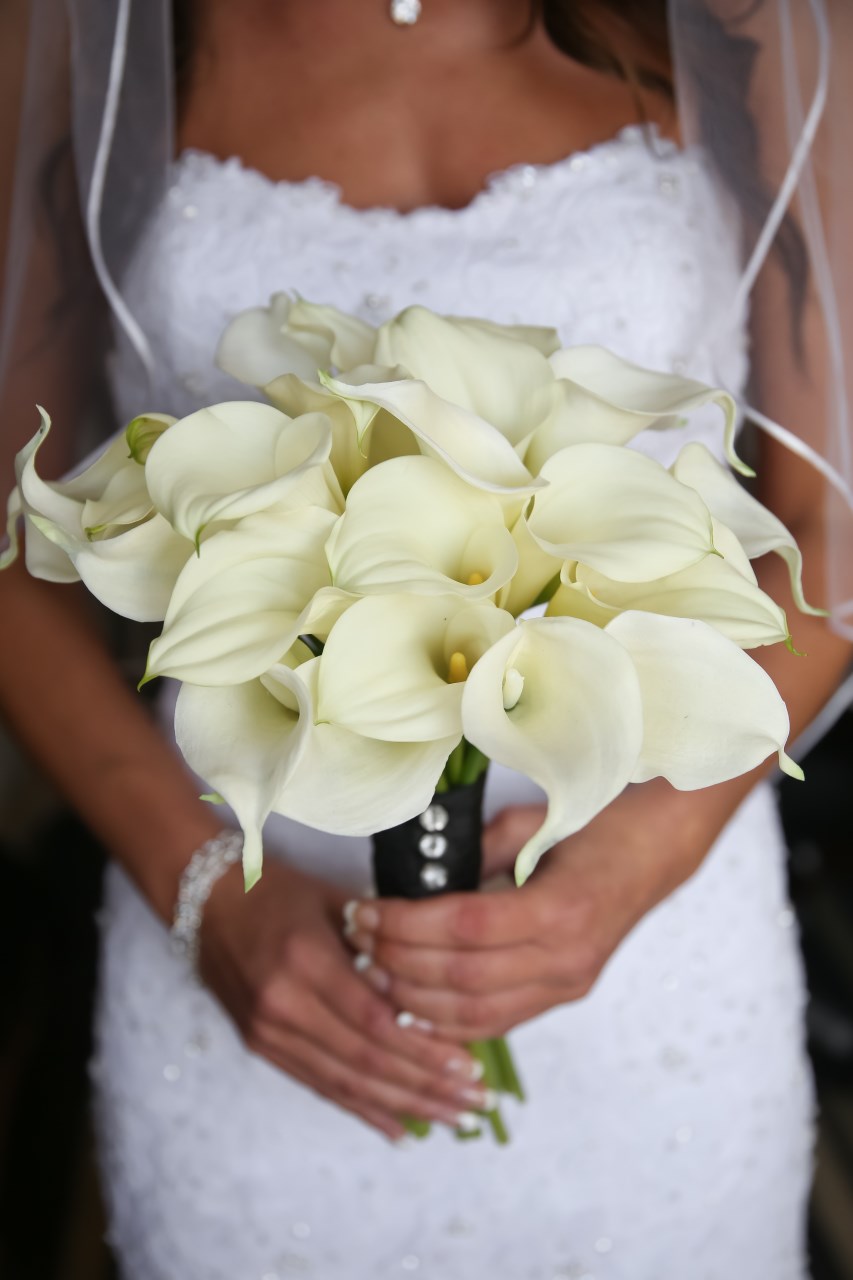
pixel 405 12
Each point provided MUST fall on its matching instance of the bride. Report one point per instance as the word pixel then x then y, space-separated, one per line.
pixel 523 164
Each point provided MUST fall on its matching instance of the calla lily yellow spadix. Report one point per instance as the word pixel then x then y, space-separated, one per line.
pixel 408 495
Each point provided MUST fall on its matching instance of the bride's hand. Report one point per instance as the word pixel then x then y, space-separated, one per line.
pixel 276 960
pixel 477 965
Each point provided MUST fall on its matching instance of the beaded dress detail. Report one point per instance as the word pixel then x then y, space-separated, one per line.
pixel 668 1135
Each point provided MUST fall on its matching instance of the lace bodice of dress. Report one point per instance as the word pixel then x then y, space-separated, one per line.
pixel 624 245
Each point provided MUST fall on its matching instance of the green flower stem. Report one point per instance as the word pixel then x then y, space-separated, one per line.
pixel 419 1129
pixel 474 765
pixel 499 1073
pixel 506 1065
pixel 455 763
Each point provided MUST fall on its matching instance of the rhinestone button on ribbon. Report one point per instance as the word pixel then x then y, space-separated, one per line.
pixel 434 876
pixel 435 818
pixel 432 846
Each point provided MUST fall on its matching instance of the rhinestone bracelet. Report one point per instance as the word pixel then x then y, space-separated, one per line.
pixel 201 873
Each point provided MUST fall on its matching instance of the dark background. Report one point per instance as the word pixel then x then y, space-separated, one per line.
pixel 51 1219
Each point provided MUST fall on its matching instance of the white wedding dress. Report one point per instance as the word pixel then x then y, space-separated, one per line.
pixel 668 1134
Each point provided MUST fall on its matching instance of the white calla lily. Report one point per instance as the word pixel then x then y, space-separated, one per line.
pixel 605 399
pixel 710 712
pixel 394 665
pixel 238 606
pixel 537 569
pixel 619 512
pixel 469 445
pixel 295 397
pixel 413 525
pixel 559 701
pixel 756 528
pixel 720 590
pixel 292 336
pixel 129 560
pixel 141 433
pixel 245 743
pixel 350 785
pixel 134 573
pixel 482 368
pixel 238 458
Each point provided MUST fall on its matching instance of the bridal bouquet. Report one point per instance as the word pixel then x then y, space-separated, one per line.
pixel 346 573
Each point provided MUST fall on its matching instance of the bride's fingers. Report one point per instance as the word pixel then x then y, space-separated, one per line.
pixel 306 1013
pixel 445 969
pixel 375 1117
pixel 467 1017
pixel 465 921
pixel 350 1084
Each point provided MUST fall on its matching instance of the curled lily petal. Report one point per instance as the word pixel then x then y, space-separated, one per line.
pixel 134 573
pixel 619 512
pixel 130 560
pixel 394 665
pixel 237 458
pixel 537 569
pixel 573 724
pixel 613 400
pixel 481 368
pixel 374 784
pixel 710 712
pixel 141 433
pixel 245 743
pixel 259 345
pixel 412 525
pixel 237 607
pixel 757 529
pixel 470 446
pixel 295 397
pixel 720 590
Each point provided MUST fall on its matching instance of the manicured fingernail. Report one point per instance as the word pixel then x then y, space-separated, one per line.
pixel 367 917
pixel 467 1122
pixel 490 1100
pixel 477 1098
pixel 407 1020
pixel 471 1068
pixel 350 924
pixel 362 963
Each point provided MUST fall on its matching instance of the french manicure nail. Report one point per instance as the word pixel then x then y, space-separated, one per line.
pixel 408 1020
pixel 471 1068
pixel 490 1100
pixel 467 1122
pixel 350 923
pixel 476 1098
pixel 362 963
pixel 366 916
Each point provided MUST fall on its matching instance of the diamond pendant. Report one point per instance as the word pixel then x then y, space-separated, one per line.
pixel 405 12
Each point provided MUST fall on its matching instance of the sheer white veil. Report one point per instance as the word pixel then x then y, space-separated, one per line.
pixel 96 140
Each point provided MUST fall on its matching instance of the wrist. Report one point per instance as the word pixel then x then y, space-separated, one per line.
pixel 208 865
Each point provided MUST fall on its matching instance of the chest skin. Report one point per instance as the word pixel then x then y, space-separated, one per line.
pixel 395 117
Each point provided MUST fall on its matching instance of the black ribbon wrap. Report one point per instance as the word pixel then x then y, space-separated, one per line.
pixel 453 824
